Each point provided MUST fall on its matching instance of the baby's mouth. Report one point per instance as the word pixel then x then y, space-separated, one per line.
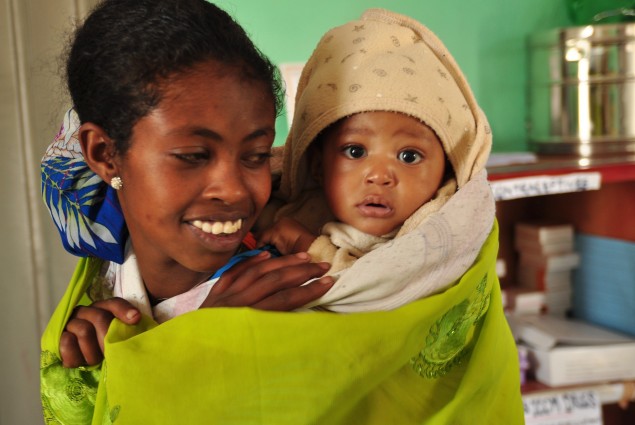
pixel 218 227
pixel 375 205
pixel 375 202
pixel 374 208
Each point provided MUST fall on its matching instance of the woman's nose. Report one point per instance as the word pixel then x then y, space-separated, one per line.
pixel 225 183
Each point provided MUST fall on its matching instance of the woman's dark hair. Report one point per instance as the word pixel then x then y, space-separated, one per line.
pixel 126 48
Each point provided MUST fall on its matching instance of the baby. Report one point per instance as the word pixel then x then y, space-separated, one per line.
pixel 376 169
pixel 385 162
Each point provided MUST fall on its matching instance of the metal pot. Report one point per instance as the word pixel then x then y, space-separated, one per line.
pixel 582 90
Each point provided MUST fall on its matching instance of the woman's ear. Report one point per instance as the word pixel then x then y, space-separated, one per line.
pixel 99 151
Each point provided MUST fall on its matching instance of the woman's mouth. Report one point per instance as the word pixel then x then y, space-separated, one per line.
pixel 218 227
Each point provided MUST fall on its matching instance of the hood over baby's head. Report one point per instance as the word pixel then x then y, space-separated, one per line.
pixel 384 62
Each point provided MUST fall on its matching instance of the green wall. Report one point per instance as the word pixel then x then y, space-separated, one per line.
pixel 486 37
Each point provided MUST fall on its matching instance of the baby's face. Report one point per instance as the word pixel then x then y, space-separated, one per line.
pixel 379 168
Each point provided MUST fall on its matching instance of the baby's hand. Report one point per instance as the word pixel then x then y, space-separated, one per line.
pixel 82 341
pixel 288 236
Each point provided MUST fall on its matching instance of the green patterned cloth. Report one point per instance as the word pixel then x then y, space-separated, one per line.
pixel 446 359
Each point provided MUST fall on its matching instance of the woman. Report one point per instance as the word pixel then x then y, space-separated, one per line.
pixel 177 111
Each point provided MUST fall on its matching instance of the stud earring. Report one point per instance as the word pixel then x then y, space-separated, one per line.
pixel 116 183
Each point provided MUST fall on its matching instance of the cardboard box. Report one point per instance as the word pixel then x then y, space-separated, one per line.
pixel 567 352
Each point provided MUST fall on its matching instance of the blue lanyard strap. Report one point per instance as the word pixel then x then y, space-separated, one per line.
pixel 243 256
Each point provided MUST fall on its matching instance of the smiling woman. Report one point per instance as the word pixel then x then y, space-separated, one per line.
pixel 156 178
pixel 193 158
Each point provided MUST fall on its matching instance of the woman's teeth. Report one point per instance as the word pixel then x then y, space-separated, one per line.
pixel 217 227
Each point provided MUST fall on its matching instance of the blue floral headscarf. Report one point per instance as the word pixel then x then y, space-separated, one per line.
pixel 84 208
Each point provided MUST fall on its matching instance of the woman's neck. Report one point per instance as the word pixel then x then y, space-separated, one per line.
pixel 170 282
pixel 167 278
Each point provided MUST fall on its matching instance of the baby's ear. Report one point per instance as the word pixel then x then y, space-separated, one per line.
pixel 99 150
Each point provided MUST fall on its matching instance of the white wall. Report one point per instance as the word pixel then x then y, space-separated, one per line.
pixel 34 269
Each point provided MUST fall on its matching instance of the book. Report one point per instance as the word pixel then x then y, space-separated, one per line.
pixel 550 248
pixel 604 283
pixel 541 279
pixel 550 263
pixel 584 364
pixel 567 352
pixel 546 332
pixel 558 303
pixel 543 232
pixel 518 300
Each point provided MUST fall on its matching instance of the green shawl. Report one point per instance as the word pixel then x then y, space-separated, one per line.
pixel 446 359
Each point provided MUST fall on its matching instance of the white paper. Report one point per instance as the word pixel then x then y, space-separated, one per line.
pixel 523 187
pixel 563 408
pixel 497 159
pixel 545 332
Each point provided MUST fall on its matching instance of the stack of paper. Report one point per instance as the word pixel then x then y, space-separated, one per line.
pixel 567 352
pixel 546 259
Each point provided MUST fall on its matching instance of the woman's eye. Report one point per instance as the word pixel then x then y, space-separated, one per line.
pixel 193 157
pixel 257 159
pixel 354 152
pixel 410 157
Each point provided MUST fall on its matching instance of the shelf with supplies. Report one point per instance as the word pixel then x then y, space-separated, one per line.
pixel 523 175
pixel 596 197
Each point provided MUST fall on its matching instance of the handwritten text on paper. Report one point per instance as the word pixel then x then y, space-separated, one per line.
pixel 522 187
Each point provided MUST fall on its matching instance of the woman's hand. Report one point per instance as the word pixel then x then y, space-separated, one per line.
pixel 270 283
pixel 82 341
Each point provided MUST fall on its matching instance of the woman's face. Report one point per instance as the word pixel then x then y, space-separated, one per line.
pixel 196 175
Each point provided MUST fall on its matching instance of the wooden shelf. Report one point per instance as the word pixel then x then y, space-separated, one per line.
pixel 606 211
pixel 609 393
pixel 613 169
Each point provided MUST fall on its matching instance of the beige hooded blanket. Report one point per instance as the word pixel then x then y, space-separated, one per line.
pixel 388 62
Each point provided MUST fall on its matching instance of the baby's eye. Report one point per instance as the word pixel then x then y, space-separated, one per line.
pixel 410 157
pixel 354 151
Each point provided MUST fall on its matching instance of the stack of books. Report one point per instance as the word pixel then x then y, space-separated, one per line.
pixel 569 352
pixel 546 260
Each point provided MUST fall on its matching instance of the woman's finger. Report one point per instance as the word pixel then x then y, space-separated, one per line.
pixel 294 298
pixel 98 319
pixel 266 278
pixel 120 308
pixel 70 352
pixel 281 279
pixel 228 279
pixel 244 274
pixel 88 341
